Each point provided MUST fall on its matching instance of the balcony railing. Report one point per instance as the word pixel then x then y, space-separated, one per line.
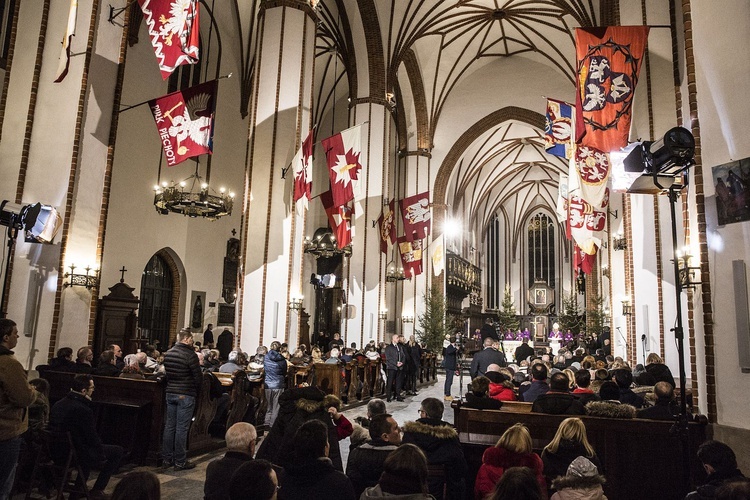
pixel 463 274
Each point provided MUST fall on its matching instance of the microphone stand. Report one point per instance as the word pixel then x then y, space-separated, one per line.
pixel 643 339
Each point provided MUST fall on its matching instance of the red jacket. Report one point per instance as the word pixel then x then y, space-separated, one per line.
pixel 494 463
pixel 502 393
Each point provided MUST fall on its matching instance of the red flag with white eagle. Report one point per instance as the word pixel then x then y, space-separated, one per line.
pixel 387 226
pixel 303 173
pixel 340 218
pixel 173 26
pixel 185 121
pixel 343 156
pixel 608 62
pixel 417 217
pixel 411 256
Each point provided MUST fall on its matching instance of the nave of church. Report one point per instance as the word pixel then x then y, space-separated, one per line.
pixel 429 176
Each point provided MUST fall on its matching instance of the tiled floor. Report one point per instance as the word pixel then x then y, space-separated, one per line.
pixel 188 485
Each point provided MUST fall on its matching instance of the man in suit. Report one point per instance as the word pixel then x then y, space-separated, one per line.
pixel 523 351
pixel 486 357
pixel 488 330
pixel 449 363
pixel 395 364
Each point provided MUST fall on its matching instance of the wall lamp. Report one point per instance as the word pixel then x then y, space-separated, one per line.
pixel 619 242
pixel 88 280
pixel 295 303
pixel 407 318
pixel 383 314
pixel 627 308
pixel 686 272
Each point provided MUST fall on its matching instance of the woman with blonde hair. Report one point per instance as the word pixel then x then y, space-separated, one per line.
pixel 656 367
pixel 513 449
pixel 571 378
pixel 569 443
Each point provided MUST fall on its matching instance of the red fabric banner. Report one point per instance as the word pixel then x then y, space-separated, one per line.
pixel 608 62
pixel 185 121
pixel 582 261
pixel 303 173
pixel 173 26
pixel 343 152
pixel 417 217
pixel 411 256
pixel 340 218
pixel 387 226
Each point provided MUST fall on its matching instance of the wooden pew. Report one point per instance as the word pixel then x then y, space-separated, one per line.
pixel 640 457
pixel 328 378
pixel 199 438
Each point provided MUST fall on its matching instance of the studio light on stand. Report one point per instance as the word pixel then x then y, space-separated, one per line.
pixel 661 167
pixel 39 223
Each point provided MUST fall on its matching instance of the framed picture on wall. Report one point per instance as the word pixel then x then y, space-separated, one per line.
pixel 226 315
pixel 732 184
pixel 540 297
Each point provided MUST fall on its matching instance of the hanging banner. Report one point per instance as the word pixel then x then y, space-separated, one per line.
pixel 587 222
pixel 558 129
pixel 416 215
pixel 185 121
pixel 302 164
pixel 343 152
pixel 387 226
pixel 173 26
pixel 411 256
pixel 70 31
pixel 340 218
pixel 608 62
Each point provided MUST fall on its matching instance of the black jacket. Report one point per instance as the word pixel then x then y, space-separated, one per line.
pixel 183 370
pixel 314 479
pixel 106 370
pixel 661 373
pixel 82 368
pixel 61 365
pixel 488 331
pixel 224 344
pixel 297 406
pixel 73 414
pixel 558 403
pixel 394 354
pixel 627 396
pixel 449 357
pixel 219 473
pixel 556 464
pixel 714 482
pixel 662 410
pixel 482 402
pixel 416 355
pixel 485 358
pixel 439 441
pixel 523 351
pixel 365 464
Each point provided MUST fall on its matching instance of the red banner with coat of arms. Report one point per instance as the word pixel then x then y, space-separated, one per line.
pixel 417 217
pixel 608 62
pixel 173 26
pixel 387 226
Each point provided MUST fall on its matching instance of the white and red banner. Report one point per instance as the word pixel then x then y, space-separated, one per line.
pixel 185 121
pixel 589 176
pixel 343 156
pixel 417 217
pixel 340 218
pixel 587 222
pixel 302 163
pixel 411 256
pixel 387 226
pixel 70 31
pixel 173 26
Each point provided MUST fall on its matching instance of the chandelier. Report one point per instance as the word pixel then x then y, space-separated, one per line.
pixel 197 201
pixel 323 244
pixel 393 273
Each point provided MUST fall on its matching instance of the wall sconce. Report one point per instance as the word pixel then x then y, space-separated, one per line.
pixel 383 314
pixel 627 308
pixel 295 303
pixel 407 318
pixel 393 273
pixel 605 272
pixel 618 242
pixel 686 273
pixel 88 280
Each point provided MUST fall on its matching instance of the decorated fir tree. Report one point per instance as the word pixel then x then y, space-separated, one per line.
pixel 507 316
pixel 570 319
pixel 432 328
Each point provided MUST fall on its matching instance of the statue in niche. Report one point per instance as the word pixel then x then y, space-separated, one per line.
pixel 197 320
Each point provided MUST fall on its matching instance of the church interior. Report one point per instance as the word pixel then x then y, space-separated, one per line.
pixel 449 99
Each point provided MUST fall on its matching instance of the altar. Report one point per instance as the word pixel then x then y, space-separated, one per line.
pixel 510 348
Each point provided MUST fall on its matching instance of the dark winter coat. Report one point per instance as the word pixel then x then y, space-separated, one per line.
pixel 365 464
pixel 439 441
pixel 416 355
pixel 488 331
pixel 556 464
pixel 107 370
pixel 449 357
pixel 534 390
pixel 714 482
pixel 485 358
pixel 274 366
pixel 664 409
pixel 73 414
pixel 661 373
pixel 297 406
pixel 558 403
pixel 610 409
pixel 496 461
pixel 523 351
pixel 314 479
pixel 62 365
pixel 482 402
pixel 224 344
pixel 586 396
pixel 627 396
pixel 219 473
pixel 183 370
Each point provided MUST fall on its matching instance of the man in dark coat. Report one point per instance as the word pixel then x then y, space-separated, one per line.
pixel 365 463
pixel 523 351
pixel 538 384
pixel 450 362
pixel 558 401
pixel 720 464
pixel 395 366
pixel 208 336
pixel 488 330
pixel 275 368
pixel 486 357
pixel 439 442
pixel 311 474
pixel 107 366
pixel 624 379
pixel 184 376
pixel 73 414
pixel 665 407
pixel 240 440
pixel 224 344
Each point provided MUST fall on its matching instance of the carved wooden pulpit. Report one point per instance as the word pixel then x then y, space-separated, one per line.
pixel 116 320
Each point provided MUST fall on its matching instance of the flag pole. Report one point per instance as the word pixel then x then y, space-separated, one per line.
pixel 128 108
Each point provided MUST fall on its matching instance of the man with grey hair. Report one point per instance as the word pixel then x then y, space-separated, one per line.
pixel 240 440
pixel 486 357
pixel 374 407
pixel 235 362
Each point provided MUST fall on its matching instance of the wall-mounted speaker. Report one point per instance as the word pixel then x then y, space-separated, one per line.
pixel 741 314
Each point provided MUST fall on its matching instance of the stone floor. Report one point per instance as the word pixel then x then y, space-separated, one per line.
pixel 188 485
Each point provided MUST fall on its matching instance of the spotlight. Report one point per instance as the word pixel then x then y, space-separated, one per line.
pixel 657 166
pixel 40 223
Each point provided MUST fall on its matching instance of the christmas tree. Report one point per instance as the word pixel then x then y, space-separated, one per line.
pixel 507 315
pixel 432 329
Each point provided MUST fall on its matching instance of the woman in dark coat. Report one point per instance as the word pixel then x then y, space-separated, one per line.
pixel 569 443
pixel 656 367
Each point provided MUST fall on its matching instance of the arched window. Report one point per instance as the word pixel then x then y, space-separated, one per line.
pixel 155 309
pixel 541 245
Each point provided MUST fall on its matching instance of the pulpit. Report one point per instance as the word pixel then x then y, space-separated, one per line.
pixel 116 320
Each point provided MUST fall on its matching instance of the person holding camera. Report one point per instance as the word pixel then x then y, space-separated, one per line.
pixel 450 363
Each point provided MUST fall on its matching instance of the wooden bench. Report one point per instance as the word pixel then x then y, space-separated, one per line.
pixel 640 457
